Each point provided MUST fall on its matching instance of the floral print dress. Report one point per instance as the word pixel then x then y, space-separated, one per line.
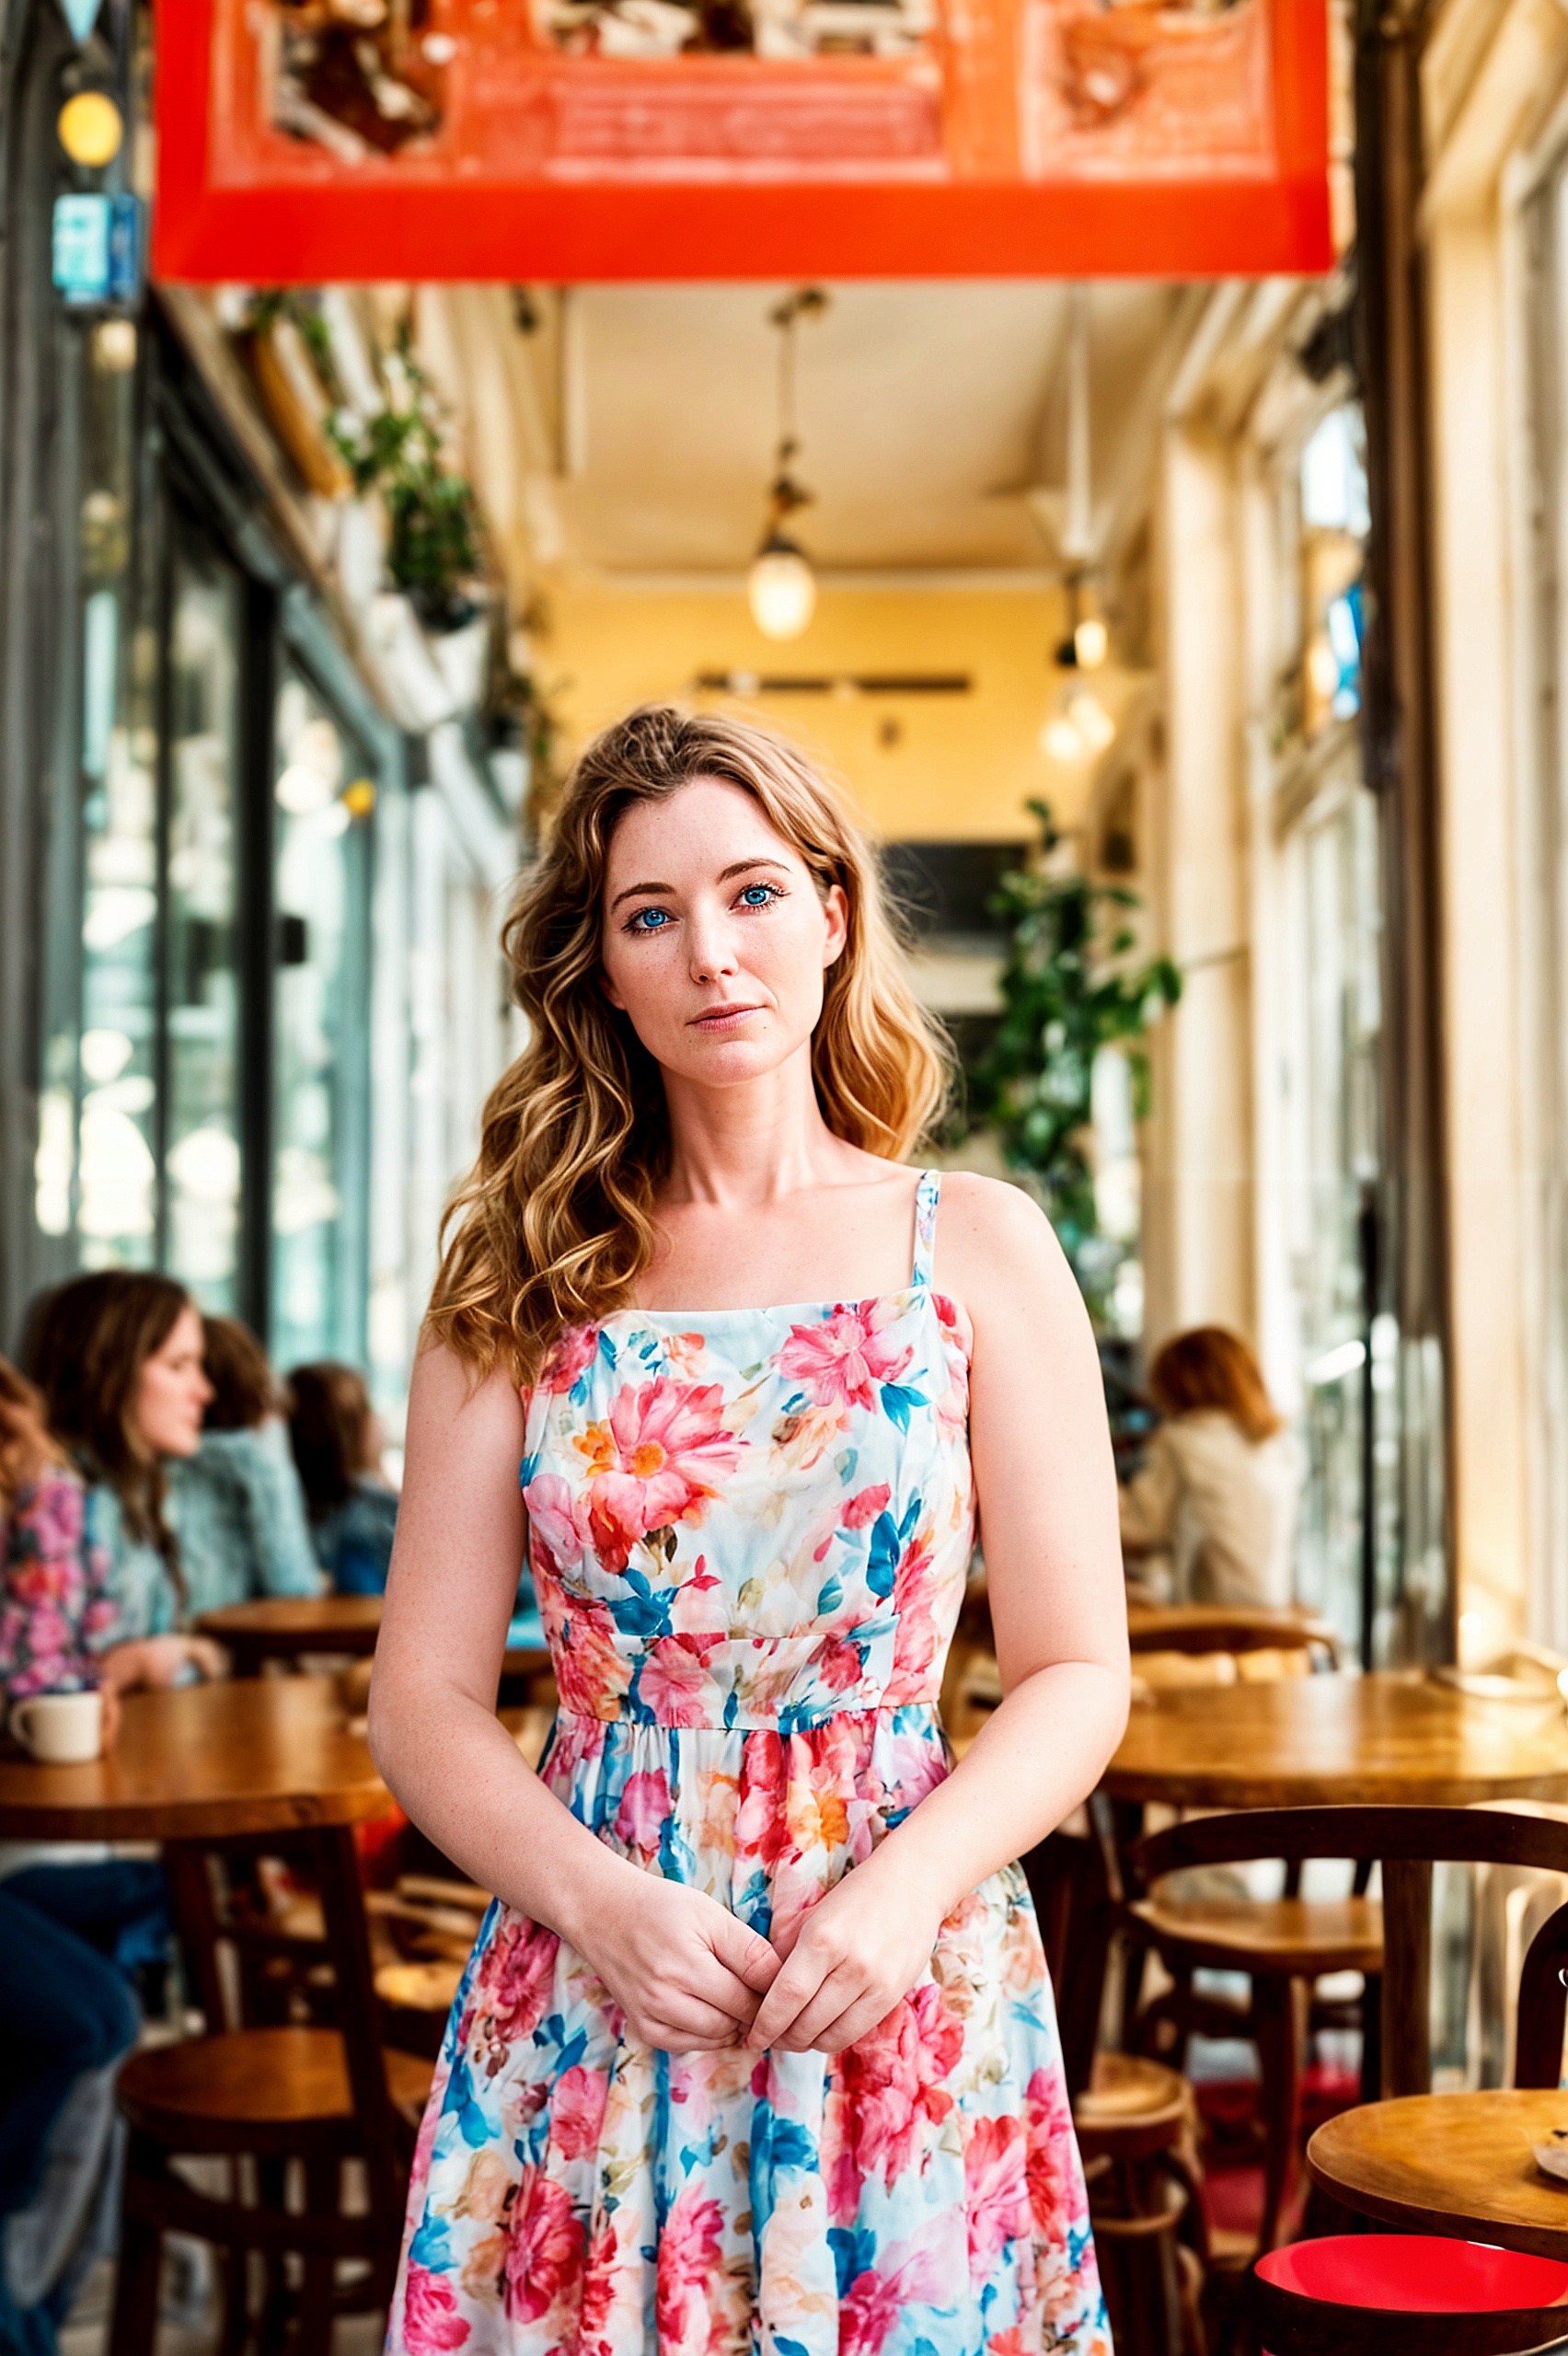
pixel 750 1532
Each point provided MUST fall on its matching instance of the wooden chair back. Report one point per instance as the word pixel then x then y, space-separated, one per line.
pixel 1237 1629
pixel 1406 1843
pixel 223 1940
pixel 1076 1882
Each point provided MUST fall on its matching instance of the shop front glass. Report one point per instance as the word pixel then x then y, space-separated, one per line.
pixel 323 795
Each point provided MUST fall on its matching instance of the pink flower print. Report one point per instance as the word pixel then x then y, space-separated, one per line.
pixel 839 1359
pixel 685 1352
pixel 677 1683
pixel 430 2321
pixel 544 2247
pixel 996 2193
pixel 1052 2163
pixel 566 1361
pixel 654 1462
pixel 512 1988
pixel 689 2265
pixel 644 1810
pixel 761 1830
pixel 916 1643
pixel 577 2111
pixel 54 1513
pixel 592 1673
pixel 597 2303
pixel 557 1523
pixel 893 2080
pixel 865 1505
pixel 40 1581
pixel 909 2275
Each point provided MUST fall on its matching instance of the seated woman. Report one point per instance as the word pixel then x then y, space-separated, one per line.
pixel 76 1923
pixel 1221 1484
pixel 236 1505
pixel 118 1359
pixel 336 1436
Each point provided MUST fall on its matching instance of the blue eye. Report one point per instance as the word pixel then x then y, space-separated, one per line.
pixel 757 896
pixel 649 921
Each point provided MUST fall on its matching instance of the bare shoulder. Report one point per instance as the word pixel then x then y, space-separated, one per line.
pixel 995 1246
pixel 447 1397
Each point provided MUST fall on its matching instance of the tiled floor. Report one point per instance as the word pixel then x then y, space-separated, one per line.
pixel 86 2333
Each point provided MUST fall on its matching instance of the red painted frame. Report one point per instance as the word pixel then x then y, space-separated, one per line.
pixel 351 223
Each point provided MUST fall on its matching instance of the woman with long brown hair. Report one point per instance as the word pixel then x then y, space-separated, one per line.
pixel 1218 1490
pixel 757 2046
pixel 117 1357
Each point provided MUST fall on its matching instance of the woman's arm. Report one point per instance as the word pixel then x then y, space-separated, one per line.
pixel 1046 1487
pixel 683 1970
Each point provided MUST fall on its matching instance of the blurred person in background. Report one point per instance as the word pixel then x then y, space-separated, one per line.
pixel 77 1924
pixel 336 1435
pixel 118 1359
pixel 236 1505
pixel 1221 1483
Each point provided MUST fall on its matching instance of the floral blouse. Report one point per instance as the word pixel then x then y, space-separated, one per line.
pixel 56 1612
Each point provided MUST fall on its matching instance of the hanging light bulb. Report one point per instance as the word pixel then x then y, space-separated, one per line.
pixel 1089 717
pixel 1091 642
pixel 781 588
pixel 1059 740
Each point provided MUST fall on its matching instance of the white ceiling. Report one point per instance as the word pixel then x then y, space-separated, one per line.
pixel 925 410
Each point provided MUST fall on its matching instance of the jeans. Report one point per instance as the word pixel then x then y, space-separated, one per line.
pixel 69 1936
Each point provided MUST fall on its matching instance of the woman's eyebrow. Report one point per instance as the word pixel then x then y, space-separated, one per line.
pixel 634 891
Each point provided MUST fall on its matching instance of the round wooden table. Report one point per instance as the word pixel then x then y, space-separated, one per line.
pixel 1450 2164
pixel 201 1762
pixel 280 1627
pixel 1307 1741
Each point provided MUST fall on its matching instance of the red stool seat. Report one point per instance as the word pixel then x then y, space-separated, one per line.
pixel 1380 2291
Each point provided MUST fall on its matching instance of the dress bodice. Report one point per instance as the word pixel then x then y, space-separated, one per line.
pixel 755 1516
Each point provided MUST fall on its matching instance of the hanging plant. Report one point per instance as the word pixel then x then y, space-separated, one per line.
pixel 288 350
pixel 433 552
pixel 1069 988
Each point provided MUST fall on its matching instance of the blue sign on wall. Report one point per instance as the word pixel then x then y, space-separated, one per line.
pixel 98 249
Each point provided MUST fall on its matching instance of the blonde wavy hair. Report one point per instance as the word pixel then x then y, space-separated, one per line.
pixel 554 1223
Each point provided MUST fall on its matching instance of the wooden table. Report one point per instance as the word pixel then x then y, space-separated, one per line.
pixel 1450 2164
pixel 1307 1741
pixel 1214 1627
pixel 282 1627
pixel 204 1761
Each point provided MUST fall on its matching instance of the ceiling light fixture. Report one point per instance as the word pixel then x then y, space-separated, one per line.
pixel 781 587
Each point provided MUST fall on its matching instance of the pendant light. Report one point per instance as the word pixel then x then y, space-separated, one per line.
pixel 781 587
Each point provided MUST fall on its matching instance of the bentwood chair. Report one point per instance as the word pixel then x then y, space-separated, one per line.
pixel 1378 2295
pixel 311 2085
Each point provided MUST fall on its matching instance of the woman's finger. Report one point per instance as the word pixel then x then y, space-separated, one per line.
pixel 713 1984
pixel 859 2019
pixel 743 1950
pixel 841 1989
pixel 793 1990
pixel 702 2028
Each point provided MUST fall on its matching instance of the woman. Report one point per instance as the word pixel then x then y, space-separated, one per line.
pixel 1222 1480
pixel 75 1923
pixel 336 1436
pixel 756 2047
pixel 118 1359
pixel 236 1505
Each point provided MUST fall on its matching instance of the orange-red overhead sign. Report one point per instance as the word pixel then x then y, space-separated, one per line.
pixel 317 140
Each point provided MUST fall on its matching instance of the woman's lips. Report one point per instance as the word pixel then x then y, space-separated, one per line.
pixel 722 1018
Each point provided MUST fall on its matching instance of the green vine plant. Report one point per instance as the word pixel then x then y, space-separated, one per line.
pixel 433 541
pixel 1071 986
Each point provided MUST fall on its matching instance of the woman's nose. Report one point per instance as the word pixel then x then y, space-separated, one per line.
pixel 712 951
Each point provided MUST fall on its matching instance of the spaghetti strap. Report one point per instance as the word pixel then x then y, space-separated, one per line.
pixel 926 1195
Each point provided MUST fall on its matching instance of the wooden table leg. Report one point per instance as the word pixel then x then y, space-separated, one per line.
pixel 1405 2019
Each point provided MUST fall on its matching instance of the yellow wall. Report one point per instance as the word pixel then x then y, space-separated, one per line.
pixel 964 766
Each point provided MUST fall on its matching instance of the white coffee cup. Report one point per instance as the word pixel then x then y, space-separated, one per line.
pixel 62 1729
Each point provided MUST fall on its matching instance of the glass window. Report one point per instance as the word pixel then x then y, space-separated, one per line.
pixel 117 1107
pixel 203 1152
pixel 323 799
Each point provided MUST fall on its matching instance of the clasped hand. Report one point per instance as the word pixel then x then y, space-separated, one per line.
pixel 690 1977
